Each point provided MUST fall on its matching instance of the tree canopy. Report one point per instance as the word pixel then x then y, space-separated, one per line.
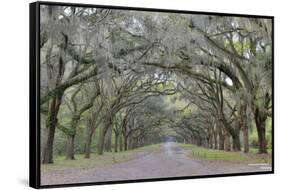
pixel 131 78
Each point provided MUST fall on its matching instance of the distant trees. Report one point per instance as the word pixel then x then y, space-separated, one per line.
pixel 112 72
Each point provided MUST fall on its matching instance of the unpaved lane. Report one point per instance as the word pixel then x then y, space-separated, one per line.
pixel 171 161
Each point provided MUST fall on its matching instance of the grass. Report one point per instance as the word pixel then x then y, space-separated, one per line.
pixel 220 155
pixel 60 163
pixel 256 150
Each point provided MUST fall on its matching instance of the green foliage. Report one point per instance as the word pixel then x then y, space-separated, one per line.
pixel 240 47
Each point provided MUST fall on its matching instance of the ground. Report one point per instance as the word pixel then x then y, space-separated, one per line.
pixel 169 160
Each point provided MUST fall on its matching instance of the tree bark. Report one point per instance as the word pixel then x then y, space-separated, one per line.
pixel 227 142
pixel 262 140
pixel 51 122
pixel 135 143
pixel 116 142
pixel 71 132
pixel 199 141
pixel 120 143
pixel 244 127
pixel 236 146
pixel 221 140
pixel 47 153
pixel 260 125
pixel 70 147
pixel 88 142
pixel 211 141
pixel 101 140
pixel 128 142
pixel 215 140
pixel 246 138
pixel 125 142
pixel 108 136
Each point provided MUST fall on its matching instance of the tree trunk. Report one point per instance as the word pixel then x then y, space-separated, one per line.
pixel 260 125
pixel 207 144
pixel 244 127
pixel 88 142
pixel 70 147
pixel 47 154
pixel 227 142
pixel 211 141
pixel 141 142
pixel 193 140
pixel 88 146
pixel 236 143
pixel 215 140
pixel 51 122
pixel 70 137
pixel 91 129
pixel 246 138
pixel 199 141
pixel 135 145
pixel 102 134
pixel 129 143
pixel 262 140
pixel 116 142
pixel 125 142
pixel 101 140
pixel 221 140
pixel 120 143
pixel 108 137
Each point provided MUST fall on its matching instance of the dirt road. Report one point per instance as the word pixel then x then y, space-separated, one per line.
pixel 170 161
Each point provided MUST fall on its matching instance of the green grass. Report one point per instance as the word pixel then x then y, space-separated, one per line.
pixel 220 155
pixel 60 163
pixel 256 150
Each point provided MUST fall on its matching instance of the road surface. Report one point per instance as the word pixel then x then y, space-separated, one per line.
pixel 170 161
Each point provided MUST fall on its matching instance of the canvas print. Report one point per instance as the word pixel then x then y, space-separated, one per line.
pixel 128 94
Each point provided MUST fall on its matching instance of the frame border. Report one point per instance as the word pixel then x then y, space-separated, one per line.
pixel 34 94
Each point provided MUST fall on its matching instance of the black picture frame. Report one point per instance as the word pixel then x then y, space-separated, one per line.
pixel 34 93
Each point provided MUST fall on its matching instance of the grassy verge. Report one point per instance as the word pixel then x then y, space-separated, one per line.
pixel 220 155
pixel 96 160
